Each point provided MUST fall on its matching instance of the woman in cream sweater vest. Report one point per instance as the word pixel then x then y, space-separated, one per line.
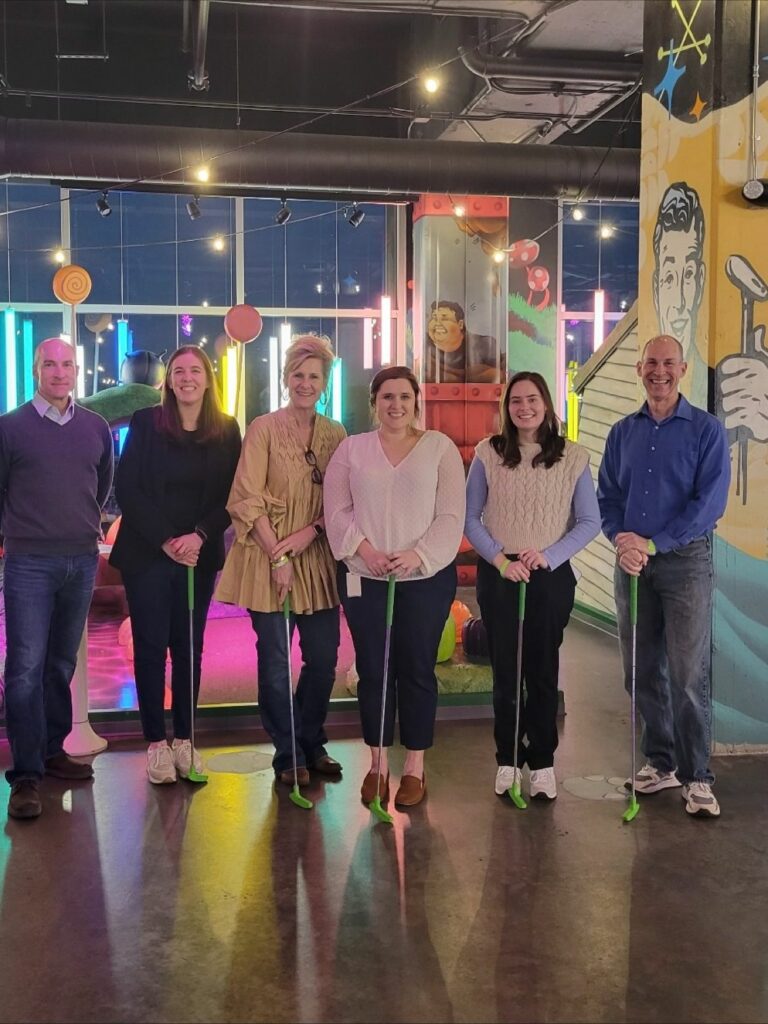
pixel 531 506
pixel 394 503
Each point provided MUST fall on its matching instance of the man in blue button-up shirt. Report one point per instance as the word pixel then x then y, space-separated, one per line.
pixel 662 486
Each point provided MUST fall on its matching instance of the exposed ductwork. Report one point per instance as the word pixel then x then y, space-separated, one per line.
pixel 198 77
pixel 550 68
pixel 119 153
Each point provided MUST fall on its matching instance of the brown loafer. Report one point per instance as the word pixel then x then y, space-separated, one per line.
pixel 411 791
pixel 62 766
pixel 286 777
pixel 326 765
pixel 370 783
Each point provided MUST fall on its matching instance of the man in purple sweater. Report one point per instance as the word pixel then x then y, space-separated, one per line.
pixel 56 462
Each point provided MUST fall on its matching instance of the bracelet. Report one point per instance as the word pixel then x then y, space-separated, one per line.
pixel 201 533
pixel 504 566
pixel 319 531
pixel 284 560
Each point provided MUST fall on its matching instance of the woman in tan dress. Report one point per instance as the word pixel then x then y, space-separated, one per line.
pixel 276 505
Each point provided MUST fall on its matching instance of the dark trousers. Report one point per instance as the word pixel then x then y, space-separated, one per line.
pixel 46 605
pixel 549 600
pixel 420 613
pixel 319 642
pixel 157 601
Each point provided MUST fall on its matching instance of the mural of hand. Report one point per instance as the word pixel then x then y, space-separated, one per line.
pixel 742 394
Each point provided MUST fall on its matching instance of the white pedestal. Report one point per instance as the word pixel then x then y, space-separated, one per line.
pixel 82 740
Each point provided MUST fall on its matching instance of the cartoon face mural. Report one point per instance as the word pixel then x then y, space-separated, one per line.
pixel 454 354
pixel 679 270
pixel 445 327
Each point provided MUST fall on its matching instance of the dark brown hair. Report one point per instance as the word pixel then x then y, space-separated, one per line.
pixel 507 445
pixel 395 373
pixel 211 421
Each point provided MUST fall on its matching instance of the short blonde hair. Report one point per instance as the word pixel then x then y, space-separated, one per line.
pixel 308 346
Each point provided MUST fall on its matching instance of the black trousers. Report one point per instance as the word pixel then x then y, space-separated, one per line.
pixel 157 601
pixel 420 613
pixel 549 600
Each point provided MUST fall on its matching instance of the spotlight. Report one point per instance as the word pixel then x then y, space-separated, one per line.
pixel 218 243
pixel 606 231
pixel 431 84
pixel 102 205
pixel 283 215
pixel 356 216
pixel 193 208
pixel 60 256
pixel 202 174
pixel 578 213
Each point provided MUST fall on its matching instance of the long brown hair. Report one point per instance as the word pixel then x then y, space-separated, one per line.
pixel 507 444
pixel 210 424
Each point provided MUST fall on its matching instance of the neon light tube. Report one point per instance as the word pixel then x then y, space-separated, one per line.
pixel 27 333
pixel 336 390
pixel 274 376
pixel 599 324
pixel 11 392
pixel 80 387
pixel 386 330
pixel 368 323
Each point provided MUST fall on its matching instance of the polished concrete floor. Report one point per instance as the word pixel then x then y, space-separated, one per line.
pixel 126 902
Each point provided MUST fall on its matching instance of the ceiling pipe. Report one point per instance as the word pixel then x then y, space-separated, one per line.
pixel 550 68
pixel 121 153
pixel 197 79
pixel 185 26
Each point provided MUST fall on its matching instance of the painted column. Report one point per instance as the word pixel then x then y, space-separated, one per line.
pixel 704 280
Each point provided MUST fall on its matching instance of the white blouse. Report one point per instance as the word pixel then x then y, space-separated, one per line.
pixel 417 504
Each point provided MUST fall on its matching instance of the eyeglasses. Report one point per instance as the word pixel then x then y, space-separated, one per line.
pixel 311 459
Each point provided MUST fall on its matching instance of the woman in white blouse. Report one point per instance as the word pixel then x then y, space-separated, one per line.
pixel 394 503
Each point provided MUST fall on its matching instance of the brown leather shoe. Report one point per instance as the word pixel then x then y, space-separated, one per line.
pixel 62 766
pixel 370 783
pixel 24 801
pixel 326 765
pixel 286 777
pixel 411 791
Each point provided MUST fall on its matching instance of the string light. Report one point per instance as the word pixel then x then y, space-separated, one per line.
pixel 218 243
pixel 60 256
pixel 202 173
pixel 431 84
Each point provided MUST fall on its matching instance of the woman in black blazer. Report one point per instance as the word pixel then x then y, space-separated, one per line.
pixel 172 485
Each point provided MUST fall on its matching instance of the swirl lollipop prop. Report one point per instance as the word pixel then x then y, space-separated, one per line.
pixel 72 285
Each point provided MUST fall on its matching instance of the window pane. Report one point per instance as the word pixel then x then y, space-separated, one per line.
pixel 591 261
pixel 206 274
pixel 96 243
pixel 149 257
pixel 34 224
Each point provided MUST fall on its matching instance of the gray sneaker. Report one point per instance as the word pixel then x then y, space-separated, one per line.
pixel 700 800
pixel 651 780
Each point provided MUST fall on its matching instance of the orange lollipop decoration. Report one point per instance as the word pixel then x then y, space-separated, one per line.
pixel 72 284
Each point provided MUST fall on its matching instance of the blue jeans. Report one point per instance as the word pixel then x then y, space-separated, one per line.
pixel 319 641
pixel 46 605
pixel 674 629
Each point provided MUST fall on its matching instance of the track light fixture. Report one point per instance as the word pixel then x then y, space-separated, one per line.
pixel 102 205
pixel 283 215
pixel 193 208
pixel 355 216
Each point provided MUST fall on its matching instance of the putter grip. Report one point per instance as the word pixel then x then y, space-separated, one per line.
pixel 287 606
pixel 633 600
pixel 190 588
pixel 521 601
pixel 390 599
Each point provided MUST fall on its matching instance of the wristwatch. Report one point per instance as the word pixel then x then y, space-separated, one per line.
pixel 319 531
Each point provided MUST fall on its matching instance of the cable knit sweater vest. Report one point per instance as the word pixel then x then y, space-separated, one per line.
pixel 530 507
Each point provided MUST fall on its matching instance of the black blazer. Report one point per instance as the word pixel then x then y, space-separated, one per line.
pixel 140 489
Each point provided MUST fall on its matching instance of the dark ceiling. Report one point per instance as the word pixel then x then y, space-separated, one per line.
pixel 272 67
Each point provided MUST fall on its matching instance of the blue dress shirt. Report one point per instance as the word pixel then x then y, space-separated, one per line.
pixel 666 480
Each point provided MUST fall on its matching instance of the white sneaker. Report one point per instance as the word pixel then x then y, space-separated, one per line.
pixel 700 800
pixel 160 766
pixel 182 758
pixel 506 777
pixel 651 780
pixel 543 784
